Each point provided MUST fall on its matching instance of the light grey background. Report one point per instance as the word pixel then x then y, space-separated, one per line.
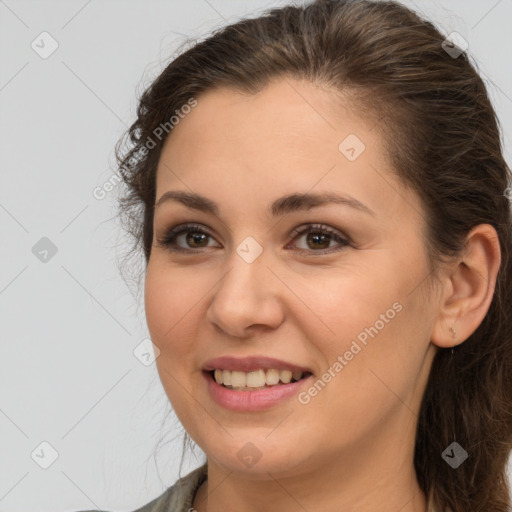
pixel 68 375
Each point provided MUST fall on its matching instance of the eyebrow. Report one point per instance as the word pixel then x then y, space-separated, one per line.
pixel 283 205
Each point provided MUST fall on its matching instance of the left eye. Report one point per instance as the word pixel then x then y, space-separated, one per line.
pixel 318 238
pixel 319 235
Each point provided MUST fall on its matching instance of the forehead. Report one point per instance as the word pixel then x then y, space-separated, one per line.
pixel 289 121
pixel 285 106
pixel 284 139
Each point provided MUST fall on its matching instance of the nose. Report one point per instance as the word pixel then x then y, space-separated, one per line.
pixel 247 298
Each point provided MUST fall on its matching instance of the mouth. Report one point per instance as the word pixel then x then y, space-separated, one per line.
pixel 255 380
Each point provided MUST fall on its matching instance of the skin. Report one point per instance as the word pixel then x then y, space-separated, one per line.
pixel 351 447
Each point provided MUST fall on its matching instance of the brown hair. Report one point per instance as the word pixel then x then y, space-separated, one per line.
pixel 443 137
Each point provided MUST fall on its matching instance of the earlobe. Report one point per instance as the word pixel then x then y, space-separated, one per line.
pixel 469 288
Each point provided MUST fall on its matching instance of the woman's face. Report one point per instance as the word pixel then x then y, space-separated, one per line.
pixel 352 310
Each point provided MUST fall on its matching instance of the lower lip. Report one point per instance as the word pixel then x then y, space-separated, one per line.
pixel 252 400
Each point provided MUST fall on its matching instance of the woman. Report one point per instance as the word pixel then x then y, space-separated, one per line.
pixel 321 198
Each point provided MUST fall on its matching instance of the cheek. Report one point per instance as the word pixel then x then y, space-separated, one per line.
pixel 169 316
pixel 159 307
pixel 169 308
pixel 341 307
pixel 169 296
pixel 371 320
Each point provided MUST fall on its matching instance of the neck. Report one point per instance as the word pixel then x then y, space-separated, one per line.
pixel 330 495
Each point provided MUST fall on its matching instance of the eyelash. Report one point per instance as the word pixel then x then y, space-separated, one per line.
pixel 169 239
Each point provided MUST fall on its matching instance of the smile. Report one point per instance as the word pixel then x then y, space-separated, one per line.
pixel 255 380
pixel 247 399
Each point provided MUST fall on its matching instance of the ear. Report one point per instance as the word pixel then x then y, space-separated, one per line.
pixel 468 288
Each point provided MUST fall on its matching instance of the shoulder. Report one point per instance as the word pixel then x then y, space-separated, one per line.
pixel 177 498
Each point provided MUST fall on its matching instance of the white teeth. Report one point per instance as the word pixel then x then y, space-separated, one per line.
pixel 238 379
pixel 285 376
pixel 226 377
pixel 257 379
pixel 272 377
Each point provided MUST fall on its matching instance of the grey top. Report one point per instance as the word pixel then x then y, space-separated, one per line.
pixel 180 496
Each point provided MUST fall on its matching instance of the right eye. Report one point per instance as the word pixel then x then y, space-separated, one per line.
pixel 194 235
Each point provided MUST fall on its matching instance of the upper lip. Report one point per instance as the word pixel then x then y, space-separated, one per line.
pixel 252 363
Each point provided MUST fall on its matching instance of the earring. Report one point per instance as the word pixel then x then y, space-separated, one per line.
pixel 452 330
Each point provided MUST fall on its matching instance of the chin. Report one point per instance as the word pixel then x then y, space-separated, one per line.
pixel 258 459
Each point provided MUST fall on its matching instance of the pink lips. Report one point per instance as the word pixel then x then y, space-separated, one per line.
pixel 252 363
pixel 252 400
